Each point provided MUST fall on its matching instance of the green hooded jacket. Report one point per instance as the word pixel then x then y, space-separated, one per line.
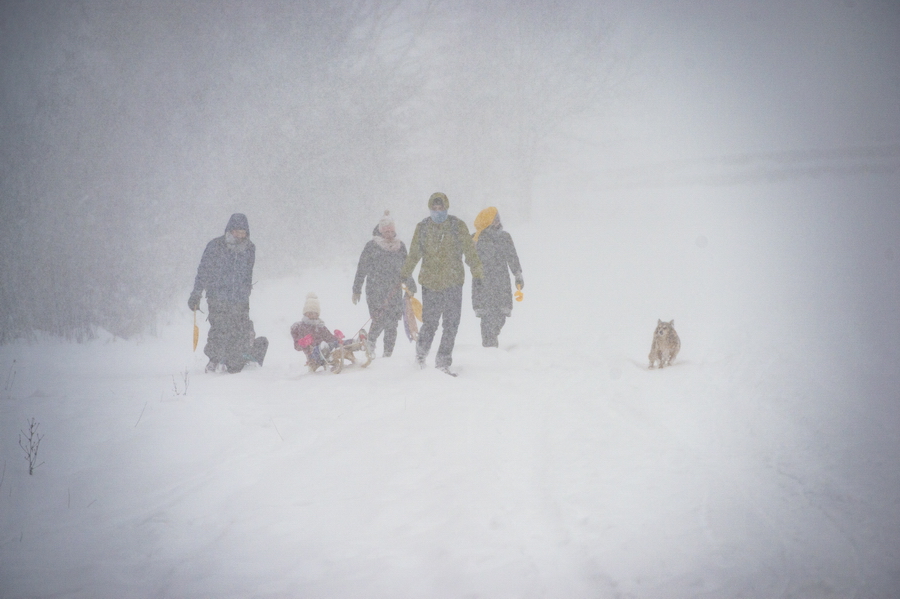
pixel 441 248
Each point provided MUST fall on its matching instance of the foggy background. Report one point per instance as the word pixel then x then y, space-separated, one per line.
pixel 132 130
pixel 732 166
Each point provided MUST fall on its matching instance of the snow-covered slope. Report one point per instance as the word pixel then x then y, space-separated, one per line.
pixel 762 464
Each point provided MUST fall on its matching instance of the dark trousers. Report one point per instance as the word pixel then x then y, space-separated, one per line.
pixel 231 334
pixel 446 304
pixel 388 324
pixel 491 324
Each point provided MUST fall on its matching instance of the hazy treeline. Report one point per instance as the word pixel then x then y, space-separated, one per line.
pixel 132 130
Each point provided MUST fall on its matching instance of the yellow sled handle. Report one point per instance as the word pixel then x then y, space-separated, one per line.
pixel 416 308
pixel 415 304
pixel 518 294
pixel 196 331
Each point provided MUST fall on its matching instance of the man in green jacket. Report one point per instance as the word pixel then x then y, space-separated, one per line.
pixel 440 242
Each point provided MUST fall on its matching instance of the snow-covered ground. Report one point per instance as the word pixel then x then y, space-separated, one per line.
pixel 762 464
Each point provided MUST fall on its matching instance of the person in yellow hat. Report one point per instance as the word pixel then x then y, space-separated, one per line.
pixel 492 295
pixel 440 242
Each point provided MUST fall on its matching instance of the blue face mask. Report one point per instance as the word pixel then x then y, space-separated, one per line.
pixel 438 216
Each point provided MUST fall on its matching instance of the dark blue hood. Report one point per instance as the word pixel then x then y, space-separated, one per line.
pixel 238 221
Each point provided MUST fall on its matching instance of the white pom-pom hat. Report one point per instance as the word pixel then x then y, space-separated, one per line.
pixel 312 304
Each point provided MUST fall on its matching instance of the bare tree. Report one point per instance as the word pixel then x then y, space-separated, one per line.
pixel 510 74
pixel 131 133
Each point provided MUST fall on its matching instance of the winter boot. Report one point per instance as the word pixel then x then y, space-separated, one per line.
pixel 446 370
pixel 260 347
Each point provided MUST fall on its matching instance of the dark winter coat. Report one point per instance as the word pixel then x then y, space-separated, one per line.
pixel 226 268
pixel 380 269
pixel 493 293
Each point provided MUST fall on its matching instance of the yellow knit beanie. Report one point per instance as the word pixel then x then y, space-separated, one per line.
pixel 484 220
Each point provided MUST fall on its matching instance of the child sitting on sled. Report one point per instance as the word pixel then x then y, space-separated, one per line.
pixel 311 336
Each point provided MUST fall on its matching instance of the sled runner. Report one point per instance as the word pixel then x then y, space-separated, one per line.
pixel 333 359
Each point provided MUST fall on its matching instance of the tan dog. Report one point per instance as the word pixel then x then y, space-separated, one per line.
pixel 666 344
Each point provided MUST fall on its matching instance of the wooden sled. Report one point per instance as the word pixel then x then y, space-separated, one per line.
pixel 346 352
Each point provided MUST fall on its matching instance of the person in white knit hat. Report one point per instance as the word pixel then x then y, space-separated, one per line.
pixel 310 333
pixel 379 266
pixel 311 305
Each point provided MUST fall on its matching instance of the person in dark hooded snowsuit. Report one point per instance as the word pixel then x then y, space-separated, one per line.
pixel 226 274
pixel 492 296
pixel 379 266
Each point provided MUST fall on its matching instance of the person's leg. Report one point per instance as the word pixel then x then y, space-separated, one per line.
pixel 375 330
pixel 216 339
pixel 239 335
pixel 431 316
pixel 498 326
pixel 490 329
pixel 390 337
pixel 487 331
pixel 452 312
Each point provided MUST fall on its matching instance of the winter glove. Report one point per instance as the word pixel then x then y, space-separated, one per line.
pixel 520 282
pixel 194 300
pixel 355 298
pixel 411 285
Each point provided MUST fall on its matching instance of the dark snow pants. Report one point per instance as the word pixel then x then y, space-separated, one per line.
pixel 491 324
pixel 231 334
pixel 446 304
pixel 389 326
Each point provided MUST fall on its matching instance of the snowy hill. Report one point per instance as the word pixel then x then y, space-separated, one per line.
pixel 762 464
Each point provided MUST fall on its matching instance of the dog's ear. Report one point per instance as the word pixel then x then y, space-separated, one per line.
pixel 672 324
pixel 658 322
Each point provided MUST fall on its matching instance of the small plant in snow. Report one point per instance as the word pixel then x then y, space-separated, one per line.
pixel 10 379
pixel 185 378
pixel 29 442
